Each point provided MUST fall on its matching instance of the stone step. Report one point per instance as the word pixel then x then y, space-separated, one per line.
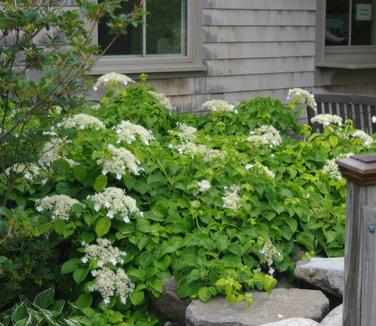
pixel 281 304
pixel 326 274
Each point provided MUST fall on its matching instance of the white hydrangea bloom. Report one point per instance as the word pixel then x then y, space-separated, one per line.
pixel 367 139
pixel 269 251
pixel 261 167
pixel 163 100
pixel 59 205
pixel 187 133
pixel 52 151
pixel 120 161
pixel 29 170
pixel 103 253
pixel 111 283
pixel 231 199
pixel 303 97
pixel 331 167
pixel 204 185
pixel 374 119
pixel 112 79
pixel 82 121
pixel 327 119
pixel 129 132
pixel 265 135
pixel 218 106
pixel 193 150
pixel 115 202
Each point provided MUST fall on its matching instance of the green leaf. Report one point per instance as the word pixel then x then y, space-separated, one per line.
pixel 137 297
pixel 20 312
pixel 84 301
pixel 205 293
pixel 103 226
pixel 45 298
pixel 80 274
pixel 70 266
pixel 307 239
pixel 79 173
pixel 100 183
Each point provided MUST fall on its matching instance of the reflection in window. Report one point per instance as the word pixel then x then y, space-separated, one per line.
pixel 350 22
pixel 164 31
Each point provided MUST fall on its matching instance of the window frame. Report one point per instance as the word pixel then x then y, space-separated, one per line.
pixel 166 63
pixel 341 56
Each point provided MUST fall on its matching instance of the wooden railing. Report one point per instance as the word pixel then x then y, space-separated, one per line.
pixel 358 108
pixel 359 299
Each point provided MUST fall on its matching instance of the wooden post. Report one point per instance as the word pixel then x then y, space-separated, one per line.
pixel 359 304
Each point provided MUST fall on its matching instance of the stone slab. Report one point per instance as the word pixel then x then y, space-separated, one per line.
pixel 169 304
pixel 326 274
pixel 334 318
pixel 281 304
pixel 294 322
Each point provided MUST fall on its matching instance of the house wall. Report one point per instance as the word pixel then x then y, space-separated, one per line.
pixel 252 48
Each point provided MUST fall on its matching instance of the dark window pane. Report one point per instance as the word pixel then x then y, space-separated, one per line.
pixel 363 22
pixel 166 29
pixel 337 22
pixel 130 44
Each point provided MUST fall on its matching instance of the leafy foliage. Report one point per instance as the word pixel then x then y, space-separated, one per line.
pixel 283 206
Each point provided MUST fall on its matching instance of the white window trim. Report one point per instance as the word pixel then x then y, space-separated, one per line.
pixel 191 62
pixel 342 57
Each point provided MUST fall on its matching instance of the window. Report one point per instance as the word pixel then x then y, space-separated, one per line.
pixel 346 34
pixel 168 41
pixel 350 22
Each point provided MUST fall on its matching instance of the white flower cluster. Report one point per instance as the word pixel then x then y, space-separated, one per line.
pixel 121 159
pixel 111 283
pixel 218 106
pixel 163 100
pixel 129 132
pixel 265 135
pixel 115 202
pixel 103 253
pixel 112 79
pixel 303 97
pixel 367 139
pixel 204 185
pixel 52 151
pixel 262 168
pixel 373 119
pixel 331 167
pixel 82 121
pixel 269 251
pixel 187 133
pixel 327 119
pixel 193 150
pixel 232 199
pixel 29 170
pixel 59 205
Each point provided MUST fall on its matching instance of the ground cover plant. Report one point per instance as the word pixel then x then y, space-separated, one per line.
pixel 126 193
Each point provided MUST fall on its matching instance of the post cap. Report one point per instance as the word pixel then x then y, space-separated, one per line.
pixel 360 169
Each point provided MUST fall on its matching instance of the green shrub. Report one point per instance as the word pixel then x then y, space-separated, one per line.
pixel 119 209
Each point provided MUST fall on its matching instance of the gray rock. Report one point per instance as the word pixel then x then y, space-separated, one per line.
pixel 324 273
pixel 294 322
pixel 334 318
pixel 281 304
pixel 169 303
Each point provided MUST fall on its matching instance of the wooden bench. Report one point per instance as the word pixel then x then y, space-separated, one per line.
pixel 360 109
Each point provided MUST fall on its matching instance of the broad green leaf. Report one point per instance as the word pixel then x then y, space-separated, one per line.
pixel 80 274
pixel 79 173
pixel 84 301
pixel 100 183
pixel 70 266
pixel 103 226
pixel 45 298
pixel 137 297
